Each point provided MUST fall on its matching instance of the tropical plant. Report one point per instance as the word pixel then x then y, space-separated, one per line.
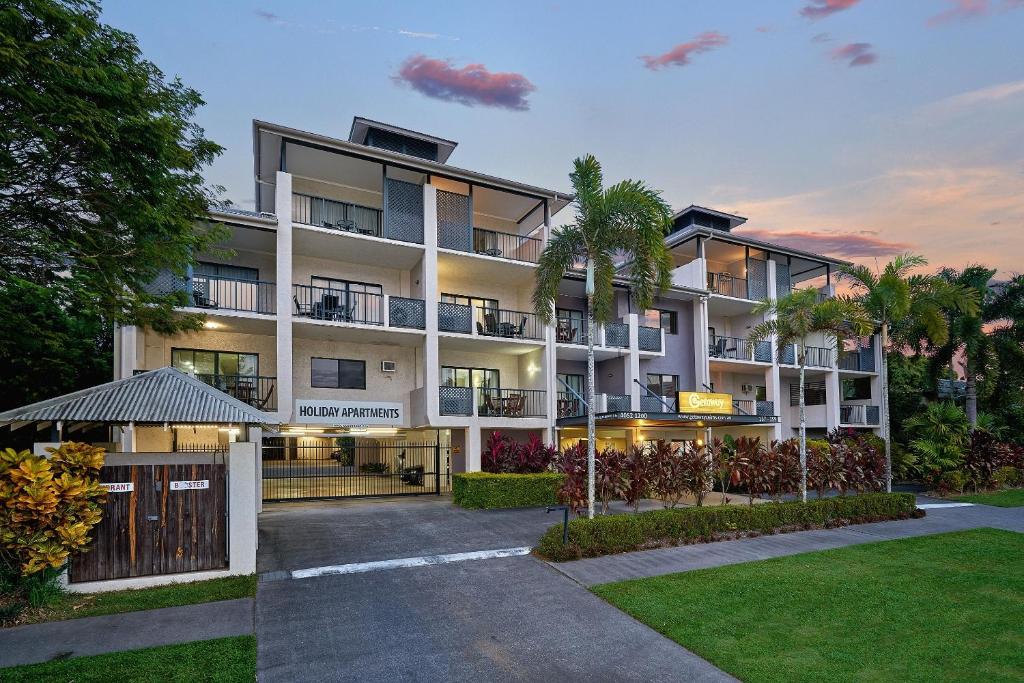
pixel 940 436
pixel 609 476
pixel 905 308
pixel 48 506
pixel 504 455
pixel 825 470
pixel 722 455
pixel 698 474
pixel 670 474
pixel 638 474
pixel 626 221
pixel 792 320
pixel 784 457
pixel 756 469
pixel 572 462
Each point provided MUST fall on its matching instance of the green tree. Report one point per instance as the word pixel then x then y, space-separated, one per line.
pixel 624 223
pixel 793 320
pixel 100 165
pixel 906 308
pixel 940 435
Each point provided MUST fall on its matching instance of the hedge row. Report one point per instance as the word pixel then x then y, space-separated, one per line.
pixel 486 490
pixel 609 534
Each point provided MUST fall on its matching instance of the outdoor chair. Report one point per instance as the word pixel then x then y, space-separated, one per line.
pixel 522 328
pixel 200 298
pixel 718 348
pixel 489 407
pixel 262 403
pixel 347 224
pixel 304 310
pixel 490 323
pixel 515 404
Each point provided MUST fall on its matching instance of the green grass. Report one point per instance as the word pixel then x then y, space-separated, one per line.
pixel 1007 498
pixel 225 659
pixel 947 607
pixel 75 605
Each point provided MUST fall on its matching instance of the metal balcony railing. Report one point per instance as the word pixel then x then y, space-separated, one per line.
pixel 454 317
pixel 862 360
pixel 738 348
pixel 259 392
pixel 498 322
pixel 652 404
pixel 728 284
pixel 506 245
pixel 617 335
pixel 815 356
pixel 409 313
pixel 511 403
pixel 455 400
pixel 617 403
pixel 323 303
pixel 569 405
pixel 752 407
pixel 330 213
pixel 649 338
pixel 853 414
pixel 231 294
pixel 570 331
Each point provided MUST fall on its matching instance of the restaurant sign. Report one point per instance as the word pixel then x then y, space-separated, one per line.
pixel 701 402
pixel 348 413
pixel 118 486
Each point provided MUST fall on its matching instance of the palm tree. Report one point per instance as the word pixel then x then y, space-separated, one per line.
pixel 624 223
pixel 792 320
pixel 907 308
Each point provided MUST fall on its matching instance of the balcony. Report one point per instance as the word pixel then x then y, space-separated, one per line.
pixel 569 405
pixel 858 360
pixel 853 414
pixel 616 335
pixel 489 322
pixel 322 303
pixel 254 390
pixel 752 407
pixel 814 356
pixel 649 338
pixel 404 221
pixel 505 245
pixel 571 331
pixel 617 403
pixel 512 403
pixel 408 313
pixel 737 348
pixel 657 404
pixel 728 284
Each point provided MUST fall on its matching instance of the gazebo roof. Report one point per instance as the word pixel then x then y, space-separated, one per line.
pixel 166 395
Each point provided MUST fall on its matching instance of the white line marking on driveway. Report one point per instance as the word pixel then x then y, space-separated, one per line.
pixel 938 506
pixel 403 562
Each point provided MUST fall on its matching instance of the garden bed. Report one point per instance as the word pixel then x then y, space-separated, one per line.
pixel 483 490
pixel 607 535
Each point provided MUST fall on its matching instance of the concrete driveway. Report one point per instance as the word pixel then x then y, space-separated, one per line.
pixel 502 619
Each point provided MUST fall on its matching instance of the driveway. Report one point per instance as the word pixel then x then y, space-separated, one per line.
pixel 504 619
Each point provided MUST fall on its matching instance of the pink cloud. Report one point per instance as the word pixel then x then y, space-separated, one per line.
pixel 818 9
pixel 865 243
pixel 961 10
pixel 471 85
pixel 680 54
pixel 857 54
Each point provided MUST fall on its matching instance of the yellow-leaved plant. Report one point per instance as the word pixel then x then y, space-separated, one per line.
pixel 48 506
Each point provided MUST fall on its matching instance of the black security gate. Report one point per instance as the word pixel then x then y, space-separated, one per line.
pixel 294 471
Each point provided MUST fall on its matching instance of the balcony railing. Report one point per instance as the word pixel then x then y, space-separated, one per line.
pixel 455 400
pixel 649 338
pixel 852 414
pixel 259 392
pixel 857 361
pixel 814 356
pixel 738 348
pixel 728 284
pixel 217 292
pixel 506 245
pixel 617 335
pixel 323 303
pixel 569 405
pixel 571 331
pixel 617 403
pixel 752 407
pixel 330 213
pixel 404 312
pixel 498 322
pixel 657 404
pixel 454 317
pixel 511 403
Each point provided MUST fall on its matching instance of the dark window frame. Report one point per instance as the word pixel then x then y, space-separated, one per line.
pixel 470 370
pixel 466 300
pixel 661 382
pixel 338 361
pixel 860 385
pixel 216 363
pixel 673 319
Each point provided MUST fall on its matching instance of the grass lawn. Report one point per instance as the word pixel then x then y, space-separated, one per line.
pixel 1007 498
pixel 944 607
pixel 225 659
pixel 75 605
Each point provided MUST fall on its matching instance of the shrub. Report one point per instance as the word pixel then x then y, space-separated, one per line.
pixel 825 469
pixel 698 473
pixel 954 481
pixel 784 467
pixel 670 475
pixel 623 533
pixel 637 471
pixel 609 481
pixel 503 454
pixel 484 490
pixel 724 461
pixel 48 506
pixel 373 468
pixel 572 462
pixel 755 468
pixel 1006 475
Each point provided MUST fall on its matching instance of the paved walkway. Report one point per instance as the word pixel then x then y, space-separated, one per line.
pixel 35 643
pixel 597 570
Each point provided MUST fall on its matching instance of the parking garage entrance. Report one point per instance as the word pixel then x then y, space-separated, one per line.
pixel 303 468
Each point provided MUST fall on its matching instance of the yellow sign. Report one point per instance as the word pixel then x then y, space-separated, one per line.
pixel 699 402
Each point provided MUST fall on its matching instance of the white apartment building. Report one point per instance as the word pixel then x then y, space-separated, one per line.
pixel 377 306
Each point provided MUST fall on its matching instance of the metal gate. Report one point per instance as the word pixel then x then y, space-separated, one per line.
pixel 158 519
pixel 294 471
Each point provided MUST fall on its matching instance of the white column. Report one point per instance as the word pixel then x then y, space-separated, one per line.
pixel 242 505
pixel 432 364
pixel 773 384
pixel 633 362
pixel 702 373
pixel 473 444
pixel 832 399
pixel 255 436
pixel 283 207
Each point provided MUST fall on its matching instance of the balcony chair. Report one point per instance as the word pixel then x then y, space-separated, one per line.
pixel 303 310
pixel 200 298
pixel 490 324
pixel 489 406
pixel 522 328
pixel 515 404
pixel 718 347
pixel 262 403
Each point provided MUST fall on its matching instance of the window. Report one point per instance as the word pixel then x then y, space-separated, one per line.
pixel 574 382
pixel 814 394
pixel 226 271
pixel 663 385
pixel 481 378
pixel 857 389
pixel 338 373
pixel 209 364
pixel 760 393
pixel 469 301
pixel 666 320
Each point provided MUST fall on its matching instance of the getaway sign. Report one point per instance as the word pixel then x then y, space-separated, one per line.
pixel 348 413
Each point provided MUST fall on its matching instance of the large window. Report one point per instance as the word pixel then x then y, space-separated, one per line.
pixel 663 385
pixel 338 373
pixel 490 304
pixel 573 382
pixel 814 394
pixel 227 271
pixel 666 320
pixel 857 389
pixel 215 363
pixel 481 378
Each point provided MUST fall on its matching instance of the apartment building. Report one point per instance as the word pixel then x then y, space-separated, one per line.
pixel 377 306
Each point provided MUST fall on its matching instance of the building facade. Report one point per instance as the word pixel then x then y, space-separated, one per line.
pixel 377 305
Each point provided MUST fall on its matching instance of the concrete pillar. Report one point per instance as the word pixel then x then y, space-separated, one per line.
pixel 773 393
pixel 702 373
pixel 242 506
pixel 833 397
pixel 473 446
pixel 431 363
pixel 633 362
pixel 255 436
pixel 283 204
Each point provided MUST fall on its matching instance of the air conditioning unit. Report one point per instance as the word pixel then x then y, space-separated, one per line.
pixel 747 388
pixel 388 366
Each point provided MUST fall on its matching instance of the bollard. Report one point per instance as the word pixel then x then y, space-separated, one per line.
pixel 565 520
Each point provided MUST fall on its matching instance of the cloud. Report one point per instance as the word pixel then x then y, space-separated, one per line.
pixel 821 38
pixel 819 9
pixel 973 98
pixel 862 244
pixel 680 54
pixel 330 27
pixel 857 54
pixel 961 10
pixel 471 85
pixel 765 29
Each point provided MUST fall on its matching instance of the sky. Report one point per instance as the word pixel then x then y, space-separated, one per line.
pixel 855 128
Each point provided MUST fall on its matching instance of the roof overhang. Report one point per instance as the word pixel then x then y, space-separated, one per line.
pixel 647 419
pixel 692 232
pixel 361 127
pixel 734 220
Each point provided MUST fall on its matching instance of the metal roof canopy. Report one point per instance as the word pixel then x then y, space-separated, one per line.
pixel 646 419
pixel 162 396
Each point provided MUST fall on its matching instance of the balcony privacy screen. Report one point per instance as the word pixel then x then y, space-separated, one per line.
pixel 783 282
pixel 757 279
pixel 454 225
pixel 403 211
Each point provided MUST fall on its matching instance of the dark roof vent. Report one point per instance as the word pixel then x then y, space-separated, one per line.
pixel 704 217
pixel 401 140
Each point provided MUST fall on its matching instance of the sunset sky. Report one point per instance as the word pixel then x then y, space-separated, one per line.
pixel 858 128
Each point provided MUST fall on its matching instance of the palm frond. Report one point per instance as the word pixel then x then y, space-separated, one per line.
pixel 564 249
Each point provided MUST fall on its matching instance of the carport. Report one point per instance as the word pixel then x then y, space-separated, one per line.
pixel 171 515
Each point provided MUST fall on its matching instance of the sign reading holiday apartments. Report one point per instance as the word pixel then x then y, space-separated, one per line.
pixel 348 413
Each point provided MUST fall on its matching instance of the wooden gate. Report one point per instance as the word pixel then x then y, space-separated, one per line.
pixel 166 524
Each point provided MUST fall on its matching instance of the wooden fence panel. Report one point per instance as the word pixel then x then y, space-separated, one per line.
pixel 154 529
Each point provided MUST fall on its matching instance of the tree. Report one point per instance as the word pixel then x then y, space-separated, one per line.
pixel 100 163
pixel 627 221
pixel 905 308
pixel 792 320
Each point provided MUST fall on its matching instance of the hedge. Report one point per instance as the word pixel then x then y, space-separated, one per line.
pixel 486 490
pixel 609 534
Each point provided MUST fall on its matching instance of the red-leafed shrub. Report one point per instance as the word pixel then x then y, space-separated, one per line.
pixel 637 470
pixel 670 474
pixel 609 481
pixel 572 462
pixel 825 468
pixel 784 472
pixel 504 455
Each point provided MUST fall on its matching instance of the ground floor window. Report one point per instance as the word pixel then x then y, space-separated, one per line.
pixel 215 363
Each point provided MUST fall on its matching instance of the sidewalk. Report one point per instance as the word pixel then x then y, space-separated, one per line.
pixel 126 631
pixel 645 563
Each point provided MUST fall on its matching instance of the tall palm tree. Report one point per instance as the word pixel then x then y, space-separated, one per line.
pixel 905 308
pixel 792 320
pixel 624 223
